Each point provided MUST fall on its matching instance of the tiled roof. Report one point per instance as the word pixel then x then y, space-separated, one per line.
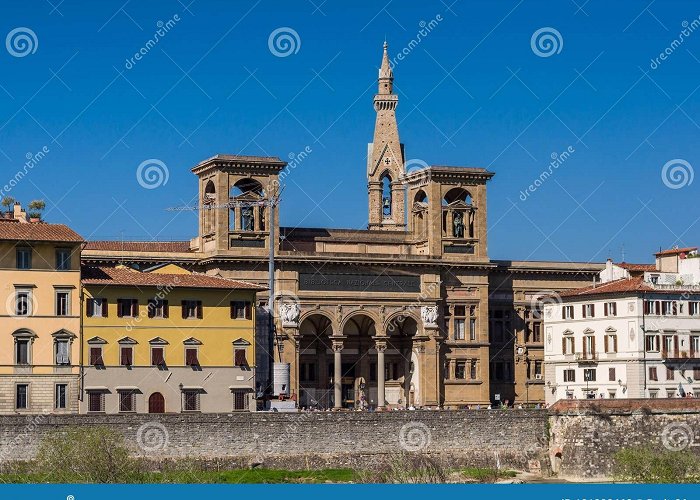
pixel 139 246
pixel 617 286
pixel 638 267
pixel 123 276
pixel 38 231
pixel 677 251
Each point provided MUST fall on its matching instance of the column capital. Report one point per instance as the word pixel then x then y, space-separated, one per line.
pixel 337 343
pixel 380 343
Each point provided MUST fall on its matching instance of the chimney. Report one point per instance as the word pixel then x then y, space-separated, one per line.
pixel 609 271
pixel 18 213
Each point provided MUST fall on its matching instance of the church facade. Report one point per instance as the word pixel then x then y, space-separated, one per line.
pixel 410 312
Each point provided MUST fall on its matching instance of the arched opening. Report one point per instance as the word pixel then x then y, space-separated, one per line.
pixel 458 214
pixel 401 363
pixel 359 375
pixel 208 202
pixel 420 214
pixel 315 362
pixel 245 194
pixel 386 195
pixel 156 403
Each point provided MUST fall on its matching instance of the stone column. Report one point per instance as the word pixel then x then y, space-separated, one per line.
pixel 338 373
pixel 380 345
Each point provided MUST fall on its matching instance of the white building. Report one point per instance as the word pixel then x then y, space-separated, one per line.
pixel 634 334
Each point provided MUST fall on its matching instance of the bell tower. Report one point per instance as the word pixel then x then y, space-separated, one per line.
pixel 385 158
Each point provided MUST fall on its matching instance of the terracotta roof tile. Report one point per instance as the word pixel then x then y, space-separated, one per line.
pixel 139 246
pixel 38 231
pixel 618 286
pixel 677 251
pixel 105 276
pixel 638 267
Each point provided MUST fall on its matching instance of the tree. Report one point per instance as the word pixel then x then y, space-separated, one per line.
pixel 36 207
pixel 8 202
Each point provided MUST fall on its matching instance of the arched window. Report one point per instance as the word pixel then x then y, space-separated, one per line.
pixel 207 205
pixel 386 195
pixel 458 214
pixel 245 193
pixel 420 197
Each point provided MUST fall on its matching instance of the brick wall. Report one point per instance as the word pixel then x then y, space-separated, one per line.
pixel 469 438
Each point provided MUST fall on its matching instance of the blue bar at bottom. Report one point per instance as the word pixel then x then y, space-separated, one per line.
pixel 353 492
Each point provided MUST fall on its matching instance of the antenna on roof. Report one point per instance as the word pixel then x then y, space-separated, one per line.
pixel 623 253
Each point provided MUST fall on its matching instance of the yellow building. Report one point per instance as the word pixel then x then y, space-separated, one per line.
pixel 40 311
pixel 166 341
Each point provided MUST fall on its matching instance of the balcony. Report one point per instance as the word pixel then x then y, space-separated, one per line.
pixel 680 356
pixel 586 357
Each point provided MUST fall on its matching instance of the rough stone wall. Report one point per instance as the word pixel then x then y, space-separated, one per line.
pixel 483 438
pixel 584 436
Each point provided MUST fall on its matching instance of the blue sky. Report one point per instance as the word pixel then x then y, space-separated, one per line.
pixel 473 92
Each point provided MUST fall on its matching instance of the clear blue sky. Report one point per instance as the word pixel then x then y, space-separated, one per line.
pixel 472 93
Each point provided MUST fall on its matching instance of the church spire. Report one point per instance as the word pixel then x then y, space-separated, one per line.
pixel 385 158
pixel 386 74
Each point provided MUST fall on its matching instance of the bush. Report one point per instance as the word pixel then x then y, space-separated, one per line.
pixel 647 465
pixel 86 455
pixel 406 468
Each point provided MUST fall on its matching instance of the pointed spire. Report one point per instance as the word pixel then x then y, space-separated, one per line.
pixel 386 74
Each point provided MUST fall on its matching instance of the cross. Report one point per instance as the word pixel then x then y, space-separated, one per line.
pixel 387 161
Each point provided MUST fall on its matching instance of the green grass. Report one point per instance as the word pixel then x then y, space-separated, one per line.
pixel 487 475
pixel 243 476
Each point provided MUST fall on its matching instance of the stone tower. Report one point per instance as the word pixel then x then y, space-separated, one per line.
pixel 385 158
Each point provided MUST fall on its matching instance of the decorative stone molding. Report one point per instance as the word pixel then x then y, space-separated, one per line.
pixel 429 315
pixel 289 314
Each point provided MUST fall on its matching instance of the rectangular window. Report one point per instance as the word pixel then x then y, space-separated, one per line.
pixel 459 329
pixel 611 309
pixel 190 400
pixel 126 355
pixel 537 332
pixel 589 374
pixel 611 375
pixel 568 312
pixel 63 257
pixel 62 303
pixel 24 258
pixel 588 310
pixel 158 308
pixel 96 308
pixel 652 343
pixel 191 356
pixel 472 330
pixel 96 402
pixel 157 356
pixel 127 308
pixel 127 401
pixel 670 374
pixel 191 309
pixel 241 309
pixel 538 370
pixel 695 344
pixel 472 370
pixel 62 352
pixel 60 398
pixel 240 400
pixel 653 375
pixel 23 302
pixel 96 356
pixel 461 370
pixel 696 373
pixel 568 345
pixel 611 343
pixel 653 394
pixel 22 396
pixel 570 375
pixel 239 357
pixel 22 351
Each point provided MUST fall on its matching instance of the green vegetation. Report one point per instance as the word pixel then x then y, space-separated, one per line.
pixel 36 208
pixel 8 202
pixel 100 455
pixel 647 465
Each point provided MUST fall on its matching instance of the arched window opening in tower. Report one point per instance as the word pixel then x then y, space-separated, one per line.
pixel 458 214
pixel 386 195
